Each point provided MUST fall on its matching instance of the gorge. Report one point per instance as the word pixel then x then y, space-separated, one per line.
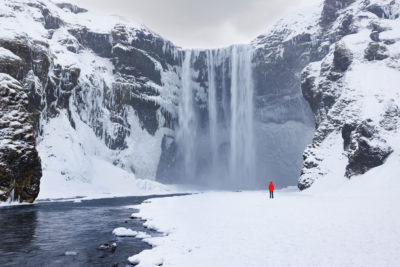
pixel 108 107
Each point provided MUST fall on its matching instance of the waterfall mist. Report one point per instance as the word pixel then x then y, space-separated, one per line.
pixel 186 133
pixel 215 134
pixel 242 151
pixel 221 140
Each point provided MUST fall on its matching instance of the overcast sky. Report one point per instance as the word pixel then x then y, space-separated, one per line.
pixel 201 23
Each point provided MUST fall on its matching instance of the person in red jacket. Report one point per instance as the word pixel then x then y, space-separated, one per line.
pixel 271 190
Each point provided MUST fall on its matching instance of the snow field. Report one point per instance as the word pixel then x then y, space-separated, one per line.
pixel 330 227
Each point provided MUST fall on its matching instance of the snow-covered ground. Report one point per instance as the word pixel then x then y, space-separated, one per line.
pixel 337 222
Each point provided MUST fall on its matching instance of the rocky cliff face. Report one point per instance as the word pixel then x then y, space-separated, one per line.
pixel 124 82
pixel 116 77
pixel 108 90
pixel 353 90
pixel 20 166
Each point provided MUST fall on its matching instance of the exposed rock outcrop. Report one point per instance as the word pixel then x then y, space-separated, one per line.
pixel 123 82
pixel 365 148
pixel 20 165
pixel 352 93
pixel 111 79
pixel 376 51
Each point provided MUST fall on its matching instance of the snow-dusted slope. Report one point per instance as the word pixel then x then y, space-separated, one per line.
pixel 103 95
pixel 109 88
pixel 100 90
pixel 354 92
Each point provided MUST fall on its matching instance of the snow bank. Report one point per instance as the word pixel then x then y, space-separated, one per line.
pixel 125 232
pixel 356 224
pixel 122 231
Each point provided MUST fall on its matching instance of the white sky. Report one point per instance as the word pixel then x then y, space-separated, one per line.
pixel 201 23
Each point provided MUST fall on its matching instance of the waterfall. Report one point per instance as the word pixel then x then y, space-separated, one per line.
pixel 217 149
pixel 212 108
pixel 187 120
pixel 242 152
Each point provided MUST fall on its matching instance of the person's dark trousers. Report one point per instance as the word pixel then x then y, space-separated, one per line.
pixel 271 194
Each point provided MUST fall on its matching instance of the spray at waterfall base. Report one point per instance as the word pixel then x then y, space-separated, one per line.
pixel 219 141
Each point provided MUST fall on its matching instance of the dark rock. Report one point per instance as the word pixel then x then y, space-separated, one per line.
pixel 365 148
pixel 20 165
pixel 377 27
pixel 375 36
pixel 347 26
pixel 33 55
pixel 11 66
pixel 389 42
pixel 342 58
pixel 137 97
pixel 50 21
pixel 375 51
pixel 131 61
pixel 71 44
pixel 100 43
pixel 330 10
pixel 117 140
pixel 307 86
pixel 347 130
pixel 304 184
pixel 158 48
pixel 147 113
pixel 108 247
pixel 20 48
pixel 113 247
pixel 366 157
pixel 384 12
pixel 377 10
pixel 366 130
pixel 73 8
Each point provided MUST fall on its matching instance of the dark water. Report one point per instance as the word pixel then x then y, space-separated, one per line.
pixel 41 234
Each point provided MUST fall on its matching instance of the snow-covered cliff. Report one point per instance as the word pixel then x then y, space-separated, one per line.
pixel 354 91
pixel 110 101
pixel 20 168
pixel 101 93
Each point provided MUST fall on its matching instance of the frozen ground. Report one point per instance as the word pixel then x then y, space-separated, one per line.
pixel 338 223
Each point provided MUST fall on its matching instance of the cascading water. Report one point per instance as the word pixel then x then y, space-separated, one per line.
pixel 212 108
pixel 237 128
pixel 242 153
pixel 220 152
pixel 186 135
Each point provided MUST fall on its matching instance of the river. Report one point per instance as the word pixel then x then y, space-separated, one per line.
pixel 70 233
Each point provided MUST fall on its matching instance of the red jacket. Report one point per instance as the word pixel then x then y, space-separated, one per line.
pixel 271 187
